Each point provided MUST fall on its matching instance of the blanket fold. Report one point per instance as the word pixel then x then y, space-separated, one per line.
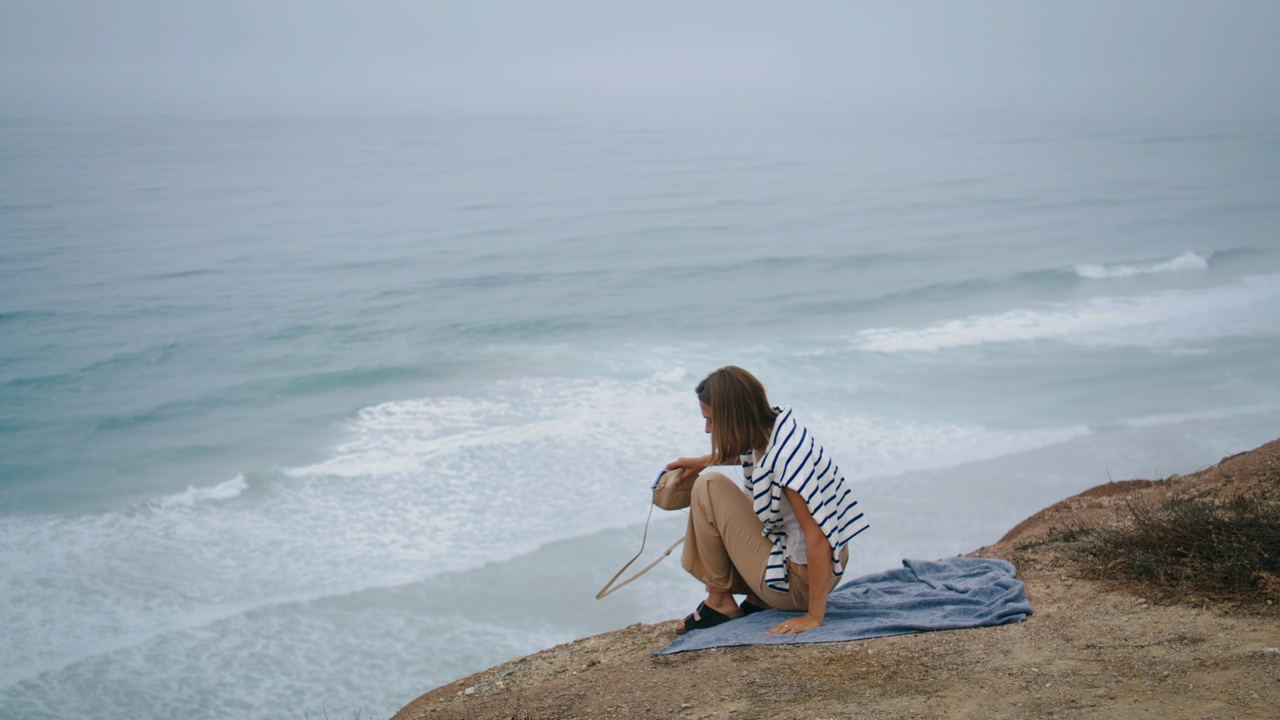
pixel 921 596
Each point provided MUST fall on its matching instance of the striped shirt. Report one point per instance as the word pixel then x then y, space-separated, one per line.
pixel 794 459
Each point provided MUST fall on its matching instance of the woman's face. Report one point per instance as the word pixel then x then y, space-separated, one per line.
pixel 706 415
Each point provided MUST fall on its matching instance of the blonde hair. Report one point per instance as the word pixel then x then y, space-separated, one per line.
pixel 741 417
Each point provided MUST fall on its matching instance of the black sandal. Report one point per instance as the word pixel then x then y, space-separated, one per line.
pixel 748 608
pixel 703 617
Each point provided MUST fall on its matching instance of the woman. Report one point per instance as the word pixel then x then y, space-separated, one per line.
pixel 781 539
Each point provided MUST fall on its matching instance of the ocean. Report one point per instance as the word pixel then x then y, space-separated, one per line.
pixel 306 416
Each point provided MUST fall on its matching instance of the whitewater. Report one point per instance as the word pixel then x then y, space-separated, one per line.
pixel 306 415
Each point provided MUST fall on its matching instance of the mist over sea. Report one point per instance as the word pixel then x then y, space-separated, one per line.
pixel 315 414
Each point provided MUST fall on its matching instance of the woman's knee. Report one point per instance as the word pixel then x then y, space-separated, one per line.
pixel 710 482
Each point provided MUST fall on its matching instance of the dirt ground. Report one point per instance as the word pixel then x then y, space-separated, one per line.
pixel 1090 650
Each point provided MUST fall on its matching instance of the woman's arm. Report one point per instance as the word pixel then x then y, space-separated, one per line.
pixel 692 467
pixel 818 549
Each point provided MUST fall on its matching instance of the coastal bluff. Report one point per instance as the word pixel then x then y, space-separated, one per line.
pixel 1096 646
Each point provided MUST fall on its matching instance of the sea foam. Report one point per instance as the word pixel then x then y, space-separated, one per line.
pixel 192 495
pixel 1161 319
pixel 1186 262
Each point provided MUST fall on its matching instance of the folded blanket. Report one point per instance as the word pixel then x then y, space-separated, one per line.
pixel 919 597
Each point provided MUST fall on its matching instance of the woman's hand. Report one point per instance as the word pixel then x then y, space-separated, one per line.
pixel 691 467
pixel 794 625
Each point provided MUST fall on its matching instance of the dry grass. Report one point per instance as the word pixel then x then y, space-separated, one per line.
pixel 1193 547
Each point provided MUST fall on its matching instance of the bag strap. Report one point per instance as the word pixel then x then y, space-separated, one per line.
pixel 607 590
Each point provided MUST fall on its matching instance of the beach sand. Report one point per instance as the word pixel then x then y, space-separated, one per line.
pixel 1092 648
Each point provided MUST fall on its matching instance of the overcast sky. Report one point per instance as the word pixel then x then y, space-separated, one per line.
pixel 1162 56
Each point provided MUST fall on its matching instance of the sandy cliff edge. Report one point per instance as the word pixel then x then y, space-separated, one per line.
pixel 1091 650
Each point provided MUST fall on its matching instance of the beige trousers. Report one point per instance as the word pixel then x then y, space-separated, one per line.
pixel 724 547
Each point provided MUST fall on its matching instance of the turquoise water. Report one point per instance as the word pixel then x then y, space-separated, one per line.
pixel 322 413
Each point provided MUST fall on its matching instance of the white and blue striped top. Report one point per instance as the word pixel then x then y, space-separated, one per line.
pixel 794 459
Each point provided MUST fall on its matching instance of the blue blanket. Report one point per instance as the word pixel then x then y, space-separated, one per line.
pixel 920 596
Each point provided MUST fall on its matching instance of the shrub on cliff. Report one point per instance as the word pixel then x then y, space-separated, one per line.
pixel 1224 549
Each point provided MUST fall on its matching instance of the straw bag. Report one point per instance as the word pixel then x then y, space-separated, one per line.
pixel 668 494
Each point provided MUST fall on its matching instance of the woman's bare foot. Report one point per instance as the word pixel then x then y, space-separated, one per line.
pixel 723 603
pixel 718 608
